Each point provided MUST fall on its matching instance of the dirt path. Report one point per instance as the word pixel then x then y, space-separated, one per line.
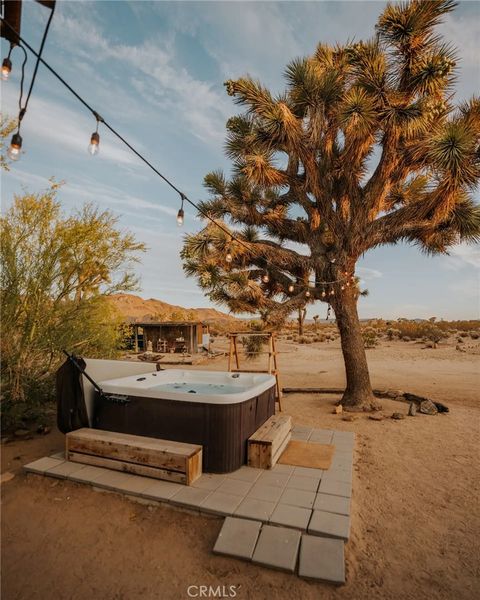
pixel 416 515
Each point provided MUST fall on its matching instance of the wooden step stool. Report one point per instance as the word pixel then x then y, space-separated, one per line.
pixel 150 457
pixel 267 444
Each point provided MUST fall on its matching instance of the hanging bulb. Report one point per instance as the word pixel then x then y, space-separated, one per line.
pixel 6 68
pixel 348 284
pixel 181 213
pixel 180 216
pixel 324 293
pixel 343 287
pixel 94 146
pixel 291 288
pixel 307 294
pixel 228 256
pixel 14 150
pixel 265 278
pixel 332 292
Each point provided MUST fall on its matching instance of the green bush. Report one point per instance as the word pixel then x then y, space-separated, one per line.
pixel 369 335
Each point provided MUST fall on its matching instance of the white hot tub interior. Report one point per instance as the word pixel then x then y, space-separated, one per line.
pixel 193 386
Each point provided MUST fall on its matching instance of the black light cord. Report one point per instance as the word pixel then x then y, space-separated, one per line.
pixel 100 119
pixel 39 56
pixel 22 80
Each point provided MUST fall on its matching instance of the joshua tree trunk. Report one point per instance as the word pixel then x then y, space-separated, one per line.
pixel 358 391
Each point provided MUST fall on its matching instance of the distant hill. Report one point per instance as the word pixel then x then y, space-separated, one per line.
pixel 136 309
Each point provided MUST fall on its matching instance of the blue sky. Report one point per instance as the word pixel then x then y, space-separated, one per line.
pixel 155 71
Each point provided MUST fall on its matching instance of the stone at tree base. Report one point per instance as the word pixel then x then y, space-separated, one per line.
pixel 441 407
pixel 376 417
pixel 427 407
pixel 398 416
pixel 412 409
pixel 349 418
pixel 394 394
pixel 338 409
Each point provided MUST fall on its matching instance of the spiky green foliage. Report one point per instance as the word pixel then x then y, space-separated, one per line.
pixel 365 148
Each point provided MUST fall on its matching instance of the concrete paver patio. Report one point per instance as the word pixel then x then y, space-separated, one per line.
pixel 288 500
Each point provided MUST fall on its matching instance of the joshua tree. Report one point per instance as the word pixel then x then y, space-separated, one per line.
pixel 364 148
pixel 302 313
pixel 315 320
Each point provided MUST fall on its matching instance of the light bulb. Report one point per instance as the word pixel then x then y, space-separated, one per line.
pixel 6 68
pixel 332 292
pixel 265 278
pixel 324 293
pixel 14 150
pixel 94 146
pixel 343 287
pixel 180 216
pixel 228 256
pixel 307 294
pixel 291 288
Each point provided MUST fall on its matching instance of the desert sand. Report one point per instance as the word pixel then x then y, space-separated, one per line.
pixel 416 515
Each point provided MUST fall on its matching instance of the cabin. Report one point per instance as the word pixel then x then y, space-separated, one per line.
pixel 171 336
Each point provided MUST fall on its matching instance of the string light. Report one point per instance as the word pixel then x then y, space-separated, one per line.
pixel 94 145
pixel 94 148
pixel 181 213
pixel 14 150
pixel 7 65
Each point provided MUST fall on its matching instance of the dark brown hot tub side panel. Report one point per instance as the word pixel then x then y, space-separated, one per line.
pixel 222 429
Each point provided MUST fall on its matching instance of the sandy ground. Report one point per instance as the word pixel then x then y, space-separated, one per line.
pixel 416 515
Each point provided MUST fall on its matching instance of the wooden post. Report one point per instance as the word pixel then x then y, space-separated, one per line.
pixel 272 367
pixel 135 329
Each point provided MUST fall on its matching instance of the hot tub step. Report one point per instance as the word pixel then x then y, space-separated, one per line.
pixel 151 457
pixel 267 444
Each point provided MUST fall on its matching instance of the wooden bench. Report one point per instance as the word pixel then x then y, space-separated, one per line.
pixel 150 457
pixel 267 444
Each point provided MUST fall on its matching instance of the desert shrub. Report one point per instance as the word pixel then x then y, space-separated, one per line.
pixel 474 335
pixel 253 344
pixel 369 337
pixel 393 333
pixel 57 272
pixel 434 334
pixel 463 334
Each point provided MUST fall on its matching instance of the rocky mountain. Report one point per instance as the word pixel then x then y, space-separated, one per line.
pixel 136 309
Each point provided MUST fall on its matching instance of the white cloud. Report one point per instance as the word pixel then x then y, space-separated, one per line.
pixel 153 70
pixel 56 125
pixel 463 255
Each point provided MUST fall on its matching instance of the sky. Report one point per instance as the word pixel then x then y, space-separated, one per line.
pixel 155 71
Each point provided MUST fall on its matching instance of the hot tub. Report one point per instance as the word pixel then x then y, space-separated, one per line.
pixel 218 410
